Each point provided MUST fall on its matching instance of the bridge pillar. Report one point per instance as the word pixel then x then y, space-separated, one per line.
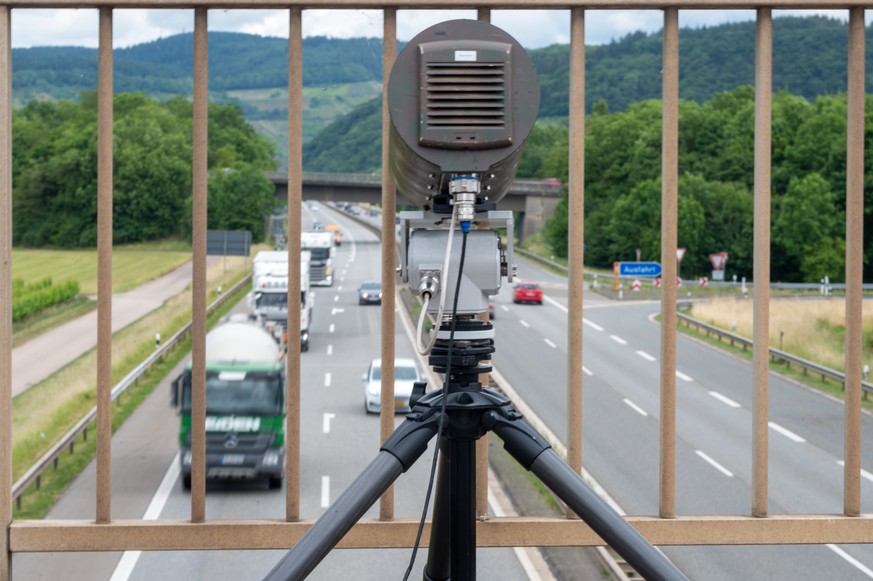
pixel 537 210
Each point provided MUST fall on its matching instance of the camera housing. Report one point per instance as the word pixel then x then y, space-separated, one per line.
pixel 463 97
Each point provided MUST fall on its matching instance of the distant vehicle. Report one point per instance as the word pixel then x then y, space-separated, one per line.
pixel 552 182
pixel 318 226
pixel 405 375
pixel 337 233
pixel 527 292
pixel 320 247
pixel 245 406
pixel 370 293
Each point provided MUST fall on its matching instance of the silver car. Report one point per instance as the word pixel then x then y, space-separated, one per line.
pixel 405 375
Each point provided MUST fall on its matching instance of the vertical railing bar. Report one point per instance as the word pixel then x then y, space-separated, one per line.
pixel 761 254
pixel 6 286
pixel 295 205
pixel 389 254
pixel 854 262
pixel 104 267
pixel 198 326
pixel 669 241
pixel 483 15
pixel 576 225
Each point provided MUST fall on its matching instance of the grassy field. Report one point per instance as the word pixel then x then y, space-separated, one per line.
pixel 811 329
pixel 132 265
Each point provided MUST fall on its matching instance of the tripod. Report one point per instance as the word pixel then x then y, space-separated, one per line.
pixel 465 411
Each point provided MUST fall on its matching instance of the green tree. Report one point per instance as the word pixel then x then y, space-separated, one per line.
pixel 805 227
pixel 239 199
pixel 152 170
pixel 55 168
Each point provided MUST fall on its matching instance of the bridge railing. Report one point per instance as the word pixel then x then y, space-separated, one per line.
pixel 106 533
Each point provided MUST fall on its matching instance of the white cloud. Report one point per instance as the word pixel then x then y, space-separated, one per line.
pixel 532 28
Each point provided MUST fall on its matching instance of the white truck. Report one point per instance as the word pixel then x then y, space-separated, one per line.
pixel 320 246
pixel 268 301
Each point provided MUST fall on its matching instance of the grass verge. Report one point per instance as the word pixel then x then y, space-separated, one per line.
pixel 45 412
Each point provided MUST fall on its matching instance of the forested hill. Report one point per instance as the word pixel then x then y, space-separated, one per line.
pixel 164 67
pixel 809 59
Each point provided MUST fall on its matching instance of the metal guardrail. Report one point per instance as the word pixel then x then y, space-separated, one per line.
pixel 34 473
pixel 775 354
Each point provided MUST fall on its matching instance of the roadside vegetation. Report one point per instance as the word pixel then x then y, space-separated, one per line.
pixel 46 411
pixel 811 329
pixel 132 266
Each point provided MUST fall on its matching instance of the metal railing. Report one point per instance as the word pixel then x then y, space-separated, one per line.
pixel 105 533
pixel 50 458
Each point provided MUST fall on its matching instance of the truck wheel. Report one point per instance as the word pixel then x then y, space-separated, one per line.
pixel 274 482
pixel 186 482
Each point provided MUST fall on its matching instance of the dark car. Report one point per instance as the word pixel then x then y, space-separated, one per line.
pixel 370 293
pixel 527 292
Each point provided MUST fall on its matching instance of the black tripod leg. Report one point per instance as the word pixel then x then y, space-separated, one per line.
pixel 452 551
pixel 463 487
pixel 527 446
pixel 439 554
pixel 399 452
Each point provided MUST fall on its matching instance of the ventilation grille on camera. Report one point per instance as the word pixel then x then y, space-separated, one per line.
pixel 465 95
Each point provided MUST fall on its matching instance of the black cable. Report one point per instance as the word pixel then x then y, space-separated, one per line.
pixel 443 422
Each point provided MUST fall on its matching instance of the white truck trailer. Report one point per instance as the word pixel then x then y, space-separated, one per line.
pixel 320 246
pixel 268 301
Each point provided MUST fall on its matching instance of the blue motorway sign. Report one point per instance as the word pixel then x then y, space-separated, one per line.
pixel 650 269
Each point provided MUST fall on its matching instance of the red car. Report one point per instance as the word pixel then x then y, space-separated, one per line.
pixel 527 292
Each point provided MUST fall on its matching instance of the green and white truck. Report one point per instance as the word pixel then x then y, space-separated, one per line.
pixel 245 406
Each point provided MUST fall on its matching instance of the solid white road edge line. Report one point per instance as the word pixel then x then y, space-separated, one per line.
pixel 128 560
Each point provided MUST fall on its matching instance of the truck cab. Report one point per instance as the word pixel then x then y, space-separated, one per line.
pixel 321 248
pixel 245 406
pixel 268 301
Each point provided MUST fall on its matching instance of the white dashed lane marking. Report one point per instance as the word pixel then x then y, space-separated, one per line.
pixel 635 407
pixel 714 464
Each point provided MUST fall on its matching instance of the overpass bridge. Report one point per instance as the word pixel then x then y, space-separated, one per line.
pixel 533 201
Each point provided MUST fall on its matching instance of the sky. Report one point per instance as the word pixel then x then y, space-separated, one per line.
pixel 532 28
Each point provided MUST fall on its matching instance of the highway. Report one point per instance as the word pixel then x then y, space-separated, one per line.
pixel 714 393
pixel 620 441
pixel 338 439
